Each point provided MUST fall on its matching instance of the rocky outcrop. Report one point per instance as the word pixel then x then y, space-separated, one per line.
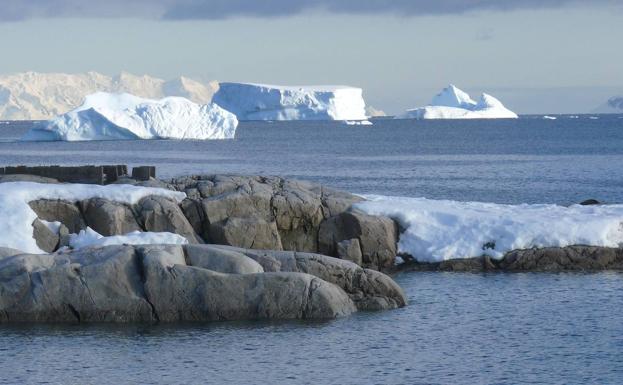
pixel 243 211
pixel 191 283
pixel 549 259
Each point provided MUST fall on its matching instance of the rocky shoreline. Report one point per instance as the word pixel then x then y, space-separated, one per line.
pixel 258 248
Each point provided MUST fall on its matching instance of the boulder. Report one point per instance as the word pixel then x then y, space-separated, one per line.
pixel 108 217
pixel 169 283
pixel 247 233
pixel 58 210
pixel 160 214
pixel 369 289
pixel 47 240
pixel 350 250
pixel 219 260
pixel 377 237
pixel 8 252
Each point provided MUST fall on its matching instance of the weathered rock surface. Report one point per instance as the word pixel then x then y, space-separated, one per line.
pixel 161 214
pixel 550 259
pixel 369 289
pixel 191 283
pixel 46 239
pixel 243 211
pixel 108 218
pixel 57 210
pixel 376 236
pixel 26 178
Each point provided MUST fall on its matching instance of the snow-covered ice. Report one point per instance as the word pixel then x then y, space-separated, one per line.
pixel 268 102
pixel 438 230
pixel 107 116
pixel 16 229
pixel 89 237
pixel 453 103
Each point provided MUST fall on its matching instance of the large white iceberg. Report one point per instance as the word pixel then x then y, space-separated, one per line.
pixel 108 116
pixel 453 103
pixel 437 230
pixel 265 102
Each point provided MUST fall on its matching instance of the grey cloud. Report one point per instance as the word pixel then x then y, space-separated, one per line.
pixel 222 9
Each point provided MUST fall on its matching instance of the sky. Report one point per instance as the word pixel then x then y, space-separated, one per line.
pixel 548 56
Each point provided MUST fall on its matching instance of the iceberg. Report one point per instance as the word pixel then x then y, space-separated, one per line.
pixel 438 230
pixel 108 116
pixel 266 102
pixel 453 103
pixel 614 105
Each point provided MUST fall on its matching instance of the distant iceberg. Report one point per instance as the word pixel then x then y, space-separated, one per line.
pixel 614 105
pixel 453 103
pixel 107 116
pixel 267 102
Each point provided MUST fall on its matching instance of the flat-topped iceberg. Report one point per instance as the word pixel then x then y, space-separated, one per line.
pixel 453 103
pixel 267 102
pixel 108 116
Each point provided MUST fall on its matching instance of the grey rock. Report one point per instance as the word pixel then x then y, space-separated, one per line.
pixel 46 239
pixel 350 250
pixel 377 237
pixel 108 217
pixel 160 214
pixel 369 289
pixel 219 260
pixel 8 252
pixel 246 233
pixel 590 202
pixel 57 210
pixel 549 259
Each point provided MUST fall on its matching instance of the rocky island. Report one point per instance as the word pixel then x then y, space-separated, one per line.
pixel 214 247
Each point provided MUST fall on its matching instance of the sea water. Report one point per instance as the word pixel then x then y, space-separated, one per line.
pixel 458 328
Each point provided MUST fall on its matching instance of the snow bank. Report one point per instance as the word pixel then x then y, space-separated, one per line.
pixel 17 217
pixel 106 116
pixel 438 230
pixel 267 102
pixel 453 103
pixel 90 237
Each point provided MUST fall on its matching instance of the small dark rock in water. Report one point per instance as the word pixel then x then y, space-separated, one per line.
pixel 590 202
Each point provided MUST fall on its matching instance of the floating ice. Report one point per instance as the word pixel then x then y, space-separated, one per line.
pixel 453 103
pixel 267 102
pixel 437 230
pixel 106 116
pixel 16 229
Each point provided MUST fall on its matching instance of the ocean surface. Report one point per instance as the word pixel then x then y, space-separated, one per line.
pixel 459 328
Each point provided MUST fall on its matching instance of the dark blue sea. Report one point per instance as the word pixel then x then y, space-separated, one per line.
pixel 459 328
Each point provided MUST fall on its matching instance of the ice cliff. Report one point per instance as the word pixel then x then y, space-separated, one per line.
pixel 453 103
pixel 267 102
pixel 105 116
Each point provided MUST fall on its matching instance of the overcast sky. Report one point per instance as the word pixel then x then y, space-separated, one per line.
pixel 537 56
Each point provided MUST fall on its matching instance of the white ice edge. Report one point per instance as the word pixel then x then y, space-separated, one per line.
pixel 16 229
pixel 438 230
pixel 91 238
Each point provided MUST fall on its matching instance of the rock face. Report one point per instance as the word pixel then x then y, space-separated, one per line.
pixel 191 283
pixel 550 259
pixel 244 211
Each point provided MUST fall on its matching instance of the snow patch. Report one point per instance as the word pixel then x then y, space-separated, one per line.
pixel 106 116
pixel 16 229
pixel 269 102
pixel 438 230
pixel 90 238
pixel 453 103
